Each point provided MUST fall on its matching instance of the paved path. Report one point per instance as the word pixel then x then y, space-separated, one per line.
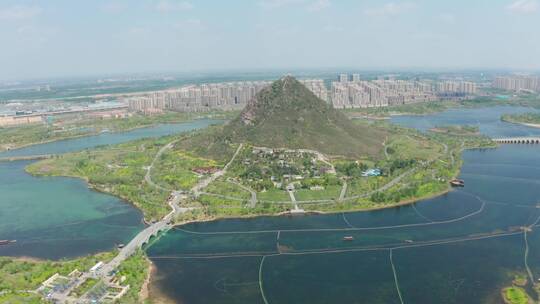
pixel 343 191
pixel 148 175
pixel 253 199
pixel 165 222
pixel 105 272
pixel 196 190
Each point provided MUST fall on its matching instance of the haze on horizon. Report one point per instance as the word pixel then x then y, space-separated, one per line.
pixel 66 38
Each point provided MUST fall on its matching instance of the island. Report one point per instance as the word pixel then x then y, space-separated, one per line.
pixel 528 119
pixel 287 152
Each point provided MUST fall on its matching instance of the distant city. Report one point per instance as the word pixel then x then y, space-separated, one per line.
pixel 346 91
pixel 517 83
pixel 349 91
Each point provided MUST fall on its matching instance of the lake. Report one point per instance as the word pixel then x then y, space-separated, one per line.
pixel 461 247
pixel 58 217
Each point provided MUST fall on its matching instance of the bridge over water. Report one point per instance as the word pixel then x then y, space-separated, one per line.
pixel 517 140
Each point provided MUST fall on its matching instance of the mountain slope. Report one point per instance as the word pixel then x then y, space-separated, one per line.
pixel 288 115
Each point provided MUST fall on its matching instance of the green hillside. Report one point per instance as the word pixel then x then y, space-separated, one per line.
pixel 288 115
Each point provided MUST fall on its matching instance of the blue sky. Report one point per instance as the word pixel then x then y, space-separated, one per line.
pixel 56 38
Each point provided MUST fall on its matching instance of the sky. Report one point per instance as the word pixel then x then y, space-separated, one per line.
pixel 61 38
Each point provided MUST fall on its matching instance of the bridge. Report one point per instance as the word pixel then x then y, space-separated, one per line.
pixel 517 140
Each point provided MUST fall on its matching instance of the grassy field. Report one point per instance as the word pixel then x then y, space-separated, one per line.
pixel 173 170
pixel 526 118
pixel 84 287
pixel 329 192
pixel 273 195
pixel 135 270
pixel 516 295
pixel 228 189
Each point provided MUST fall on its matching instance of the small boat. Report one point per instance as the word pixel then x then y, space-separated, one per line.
pixel 120 246
pixel 457 183
pixel 408 241
pixel 348 238
pixel 7 242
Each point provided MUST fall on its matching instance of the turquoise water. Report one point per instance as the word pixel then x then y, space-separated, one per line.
pixel 57 217
pixel 461 247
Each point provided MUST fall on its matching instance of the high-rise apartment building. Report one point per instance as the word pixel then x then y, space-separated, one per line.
pixel 517 83
pixel 379 93
pixel 204 97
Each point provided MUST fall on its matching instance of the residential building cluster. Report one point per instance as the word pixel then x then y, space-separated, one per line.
pixel 317 87
pixel 352 92
pixel 204 97
pixel 196 98
pixel 355 93
pixel 456 88
pixel 517 83
pixel 348 92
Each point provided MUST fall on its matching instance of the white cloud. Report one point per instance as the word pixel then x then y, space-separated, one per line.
pixel 319 5
pixel 389 9
pixel 333 28
pixel 166 6
pixel 35 35
pixel 279 3
pixel 189 25
pixel 524 6
pixel 448 18
pixel 114 7
pixel 19 12
pixel 310 5
pixel 139 31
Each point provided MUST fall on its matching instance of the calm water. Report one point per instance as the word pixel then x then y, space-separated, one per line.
pixel 461 247
pixel 56 217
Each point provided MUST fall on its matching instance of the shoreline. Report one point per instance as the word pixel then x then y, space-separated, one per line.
pixel 405 202
pixel 145 221
pixel 144 293
pixel 527 124
pixel 72 137
pixel 98 133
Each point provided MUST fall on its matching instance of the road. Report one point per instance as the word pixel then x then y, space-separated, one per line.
pixel 165 222
pixel 343 191
pixel 106 271
pixel 148 175
pixel 196 190
pixel 253 198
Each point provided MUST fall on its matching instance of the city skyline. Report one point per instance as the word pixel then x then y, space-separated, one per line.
pixel 61 38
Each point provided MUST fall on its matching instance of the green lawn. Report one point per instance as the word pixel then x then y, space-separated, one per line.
pixel 173 170
pixel 84 287
pixel 274 195
pixel 329 192
pixel 228 189
pixel 516 295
